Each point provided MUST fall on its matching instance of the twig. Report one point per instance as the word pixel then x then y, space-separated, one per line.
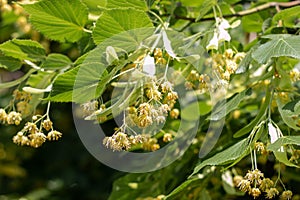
pixel 249 11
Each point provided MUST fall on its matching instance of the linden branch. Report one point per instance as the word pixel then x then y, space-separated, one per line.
pixel 249 11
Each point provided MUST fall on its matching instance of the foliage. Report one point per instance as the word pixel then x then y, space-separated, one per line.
pixel 227 70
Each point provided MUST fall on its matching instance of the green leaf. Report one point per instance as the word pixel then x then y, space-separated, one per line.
pixel 23 50
pixel 10 63
pixel 63 86
pixel 288 16
pixel 222 109
pixel 56 61
pixel 282 157
pixel 137 4
pixel 135 25
pixel 80 88
pixel 252 23
pixel 235 152
pixel 183 187
pixel 284 141
pixel 59 20
pixel 205 8
pixel 290 113
pixel 283 45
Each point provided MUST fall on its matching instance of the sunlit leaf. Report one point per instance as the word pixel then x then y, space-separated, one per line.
pixel 59 20
pixel 133 23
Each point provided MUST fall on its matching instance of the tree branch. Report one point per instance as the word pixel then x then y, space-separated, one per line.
pixel 249 11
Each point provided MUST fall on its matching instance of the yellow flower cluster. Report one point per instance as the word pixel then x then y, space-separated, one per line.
pixel 159 103
pixel 197 81
pixel 121 141
pixel 225 64
pixel 33 136
pixel 10 118
pixel 254 183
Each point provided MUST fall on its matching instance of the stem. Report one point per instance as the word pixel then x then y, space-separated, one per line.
pixel 159 19
pixel 48 109
pixel 18 81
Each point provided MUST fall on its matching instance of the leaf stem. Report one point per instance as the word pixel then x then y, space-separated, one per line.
pixel 18 81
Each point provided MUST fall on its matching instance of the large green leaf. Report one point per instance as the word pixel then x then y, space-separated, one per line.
pixel 137 4
pixel 56 61
pixel 135 25
pixel 9 63
pixel 23 50
pixel 79 84
pixel 252 23
pixel 59 20
pixel 235 152
pixel 279 45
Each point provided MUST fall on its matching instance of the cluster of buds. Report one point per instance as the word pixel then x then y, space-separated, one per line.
pixel 33 136
pixel 225 64
pixel 197 81
pixel 254 183
pixel 22 98
pixel 120 141
pixel 160 101
pixel 10 118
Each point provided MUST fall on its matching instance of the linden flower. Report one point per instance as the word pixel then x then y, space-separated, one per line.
pixel 14 118
pixel 37 139
pixel 3 115
pixel 214 42
pixel 47 124
pixel 20 139
pixel 54 135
